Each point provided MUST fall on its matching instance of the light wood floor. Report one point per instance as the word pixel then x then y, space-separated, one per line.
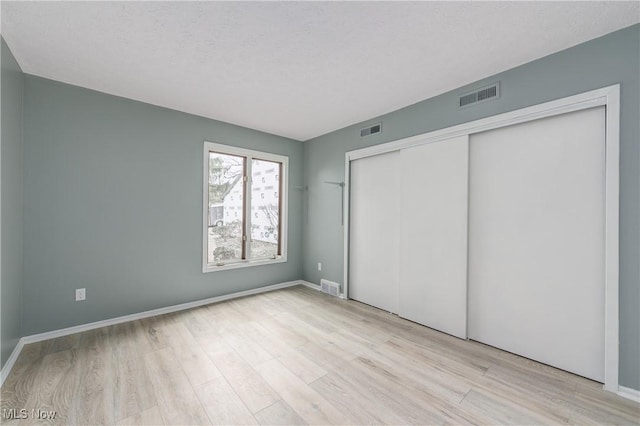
pixel 295 356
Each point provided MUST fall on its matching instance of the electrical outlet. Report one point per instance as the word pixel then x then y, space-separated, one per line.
pixel 319 266
pixel 81 294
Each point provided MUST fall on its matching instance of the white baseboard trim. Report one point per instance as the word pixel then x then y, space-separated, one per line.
pixel 4 373
pixel 310 285
pixel 132 317
pixel 629 393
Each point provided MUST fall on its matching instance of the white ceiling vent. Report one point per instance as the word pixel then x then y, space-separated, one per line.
pixel 484 94
pixel 371 130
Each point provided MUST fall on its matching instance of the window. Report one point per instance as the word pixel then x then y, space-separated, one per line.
pixel 256 232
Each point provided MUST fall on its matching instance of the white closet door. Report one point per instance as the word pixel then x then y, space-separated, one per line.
pixel 433 235
pixel 374 241
pixel 536 240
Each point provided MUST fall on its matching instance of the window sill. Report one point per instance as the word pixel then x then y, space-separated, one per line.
pixel 243 264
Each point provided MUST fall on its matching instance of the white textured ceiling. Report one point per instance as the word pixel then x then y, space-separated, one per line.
pixel 296 69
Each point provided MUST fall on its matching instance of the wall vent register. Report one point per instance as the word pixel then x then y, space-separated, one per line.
pixel 330 287
pixel 371 130
pixel 480 95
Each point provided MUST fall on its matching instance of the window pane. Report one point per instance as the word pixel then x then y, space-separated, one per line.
pixel 265 210
pixel 226 211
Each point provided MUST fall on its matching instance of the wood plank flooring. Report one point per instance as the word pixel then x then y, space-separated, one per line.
pixel 293 356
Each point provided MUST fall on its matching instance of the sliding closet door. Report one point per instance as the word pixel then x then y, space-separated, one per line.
pixel 373 226
pixel 433 235
pixel 536 240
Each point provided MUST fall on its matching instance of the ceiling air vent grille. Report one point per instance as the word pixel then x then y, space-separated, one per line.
pixel 371 130
pixel 481 95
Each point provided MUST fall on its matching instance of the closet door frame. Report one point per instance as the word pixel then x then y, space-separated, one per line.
pixel 607 96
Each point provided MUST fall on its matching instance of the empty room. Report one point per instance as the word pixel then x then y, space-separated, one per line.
pixel 289 213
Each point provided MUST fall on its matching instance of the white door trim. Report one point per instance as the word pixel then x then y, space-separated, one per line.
pixel 606 96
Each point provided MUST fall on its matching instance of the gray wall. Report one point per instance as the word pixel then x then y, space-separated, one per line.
pixel 608 60
pixel 11 210
pixel 113 203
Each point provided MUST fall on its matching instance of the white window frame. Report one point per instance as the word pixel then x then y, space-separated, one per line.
pixel 283 214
